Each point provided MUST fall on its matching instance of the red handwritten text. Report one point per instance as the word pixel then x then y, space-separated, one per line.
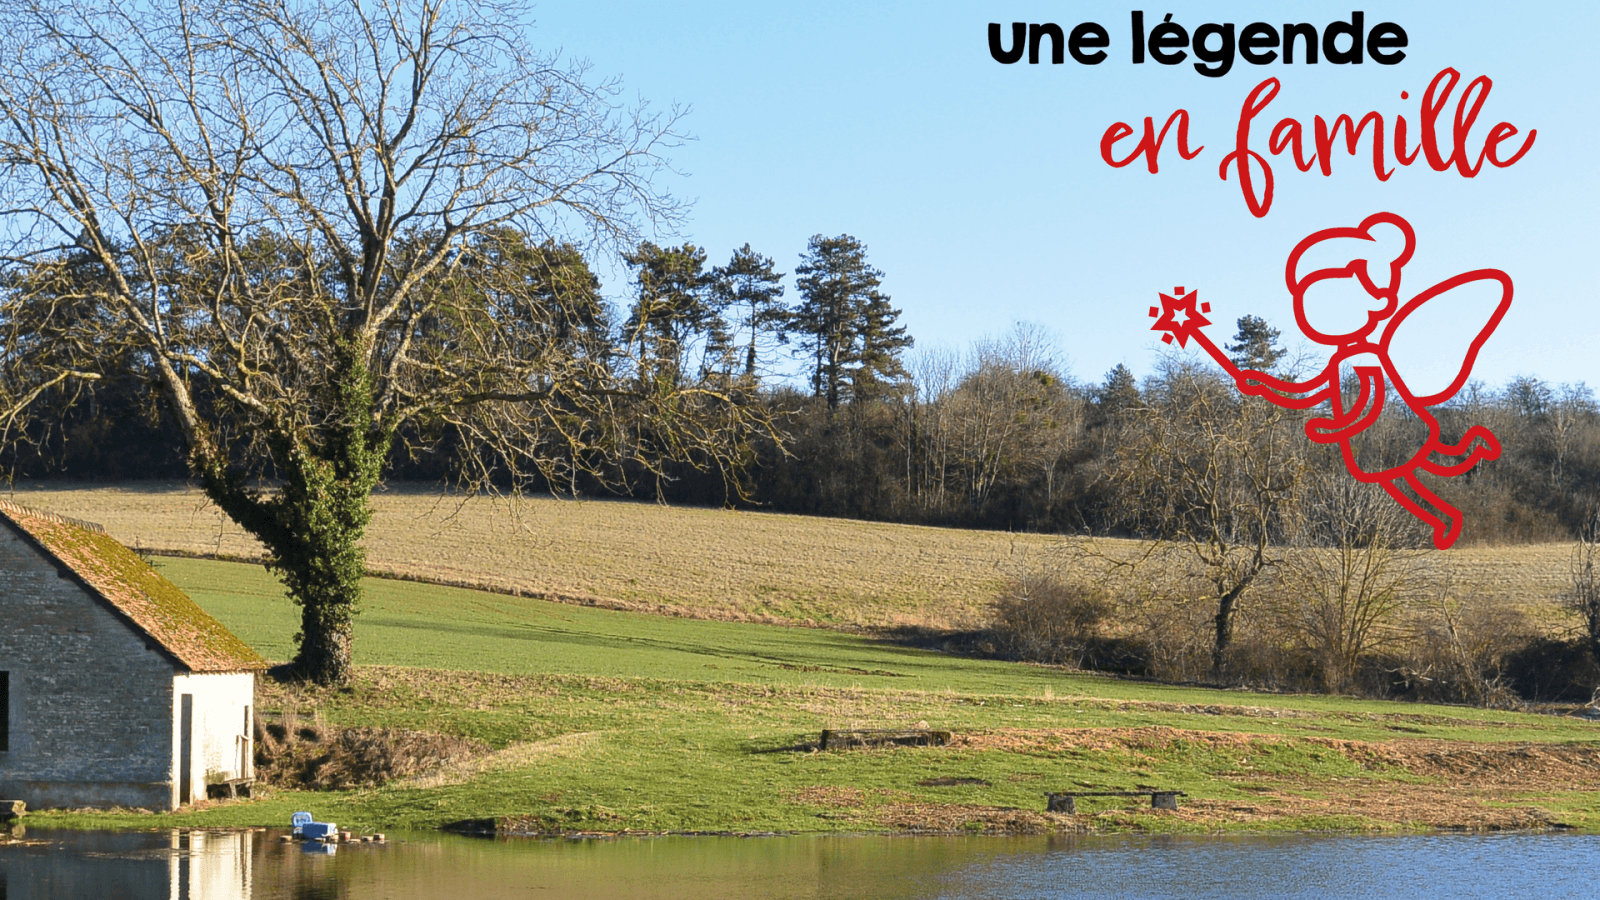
pixel 1315 147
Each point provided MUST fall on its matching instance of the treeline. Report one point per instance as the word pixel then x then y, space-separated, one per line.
pixel 999 435
pixel 1002 437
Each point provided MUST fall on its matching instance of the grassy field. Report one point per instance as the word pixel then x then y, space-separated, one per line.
pixel 722 564
pixel 615 721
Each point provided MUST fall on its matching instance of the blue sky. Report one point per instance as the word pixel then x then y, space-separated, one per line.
pixel 979 190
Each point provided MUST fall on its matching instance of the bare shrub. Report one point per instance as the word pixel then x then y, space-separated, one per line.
pixel 1582 595
pixel 317 756
pixel 1342 593
pixel 1179 633
pixel 1046 618
pixel 1461 651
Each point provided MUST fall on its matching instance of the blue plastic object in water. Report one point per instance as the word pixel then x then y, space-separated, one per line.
pixel 318 830
pixel 300 820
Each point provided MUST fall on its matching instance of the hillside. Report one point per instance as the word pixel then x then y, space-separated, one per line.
pixel 704 563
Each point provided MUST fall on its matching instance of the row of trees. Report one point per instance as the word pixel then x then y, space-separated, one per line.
pixel 722 321
pixel 1001 436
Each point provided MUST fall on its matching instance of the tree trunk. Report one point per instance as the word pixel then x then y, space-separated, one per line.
pixel 327 627
pixel 321 561
pixel 329 501
pixel 313 526
pixel 312 529
pixel 1224 623
pixel 1226 605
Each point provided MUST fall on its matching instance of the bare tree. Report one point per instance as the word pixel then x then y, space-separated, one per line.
pixel 1200 466
pixel 927 441
pixel 1010 414
pixel 290 215
pixel 1342 589
pixel 1583 582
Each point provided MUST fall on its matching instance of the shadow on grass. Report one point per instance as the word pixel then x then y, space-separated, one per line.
pixel 804 746
pixel 1112 657
pixel 796 662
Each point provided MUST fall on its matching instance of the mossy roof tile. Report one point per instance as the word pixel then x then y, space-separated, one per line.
pixel 149 602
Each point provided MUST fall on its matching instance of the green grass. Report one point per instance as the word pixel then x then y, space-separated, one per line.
pixel 624 721
pixel 427 626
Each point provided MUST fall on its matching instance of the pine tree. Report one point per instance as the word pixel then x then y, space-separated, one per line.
pixel 1255 346
pixel 672 310
pixel 1118 392
pixel 881 344
pixel 845 324
pixel 749 284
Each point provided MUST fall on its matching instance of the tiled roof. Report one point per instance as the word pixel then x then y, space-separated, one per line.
pixel 149 602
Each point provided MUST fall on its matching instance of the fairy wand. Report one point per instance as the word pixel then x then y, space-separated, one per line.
pixel 1178 317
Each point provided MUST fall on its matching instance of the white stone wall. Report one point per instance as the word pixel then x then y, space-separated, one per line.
pixel 91 701
pixel 220 742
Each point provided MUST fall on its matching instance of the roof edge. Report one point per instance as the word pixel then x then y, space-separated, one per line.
pixel 66 570
pixel 15 508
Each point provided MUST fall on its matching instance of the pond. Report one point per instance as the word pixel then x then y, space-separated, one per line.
pixel 215 865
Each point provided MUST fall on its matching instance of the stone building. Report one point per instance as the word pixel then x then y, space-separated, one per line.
pixel 115 688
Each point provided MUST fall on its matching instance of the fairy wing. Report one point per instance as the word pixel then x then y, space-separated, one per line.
pixel 1433 340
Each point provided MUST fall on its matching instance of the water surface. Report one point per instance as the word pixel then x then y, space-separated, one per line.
pixel 196 865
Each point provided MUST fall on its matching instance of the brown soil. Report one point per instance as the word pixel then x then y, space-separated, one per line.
pixel 1523 766
pixel 1280 712
pixel 924 818
pixel 879 808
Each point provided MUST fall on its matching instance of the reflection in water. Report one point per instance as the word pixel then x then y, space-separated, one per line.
pixel 196 865
pixel 158 865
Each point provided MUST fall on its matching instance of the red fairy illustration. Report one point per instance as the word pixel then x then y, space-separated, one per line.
pixel 1354 307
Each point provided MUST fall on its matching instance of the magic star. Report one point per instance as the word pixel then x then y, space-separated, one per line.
pixel 1178 317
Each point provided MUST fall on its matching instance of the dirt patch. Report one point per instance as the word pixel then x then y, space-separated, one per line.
pixel 1529 765
pixel 1556 767
pixel 880 808
pixel 516 756
pixel 1276 712
pixel 1378 806
pixel 953 818
pixel 830 797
